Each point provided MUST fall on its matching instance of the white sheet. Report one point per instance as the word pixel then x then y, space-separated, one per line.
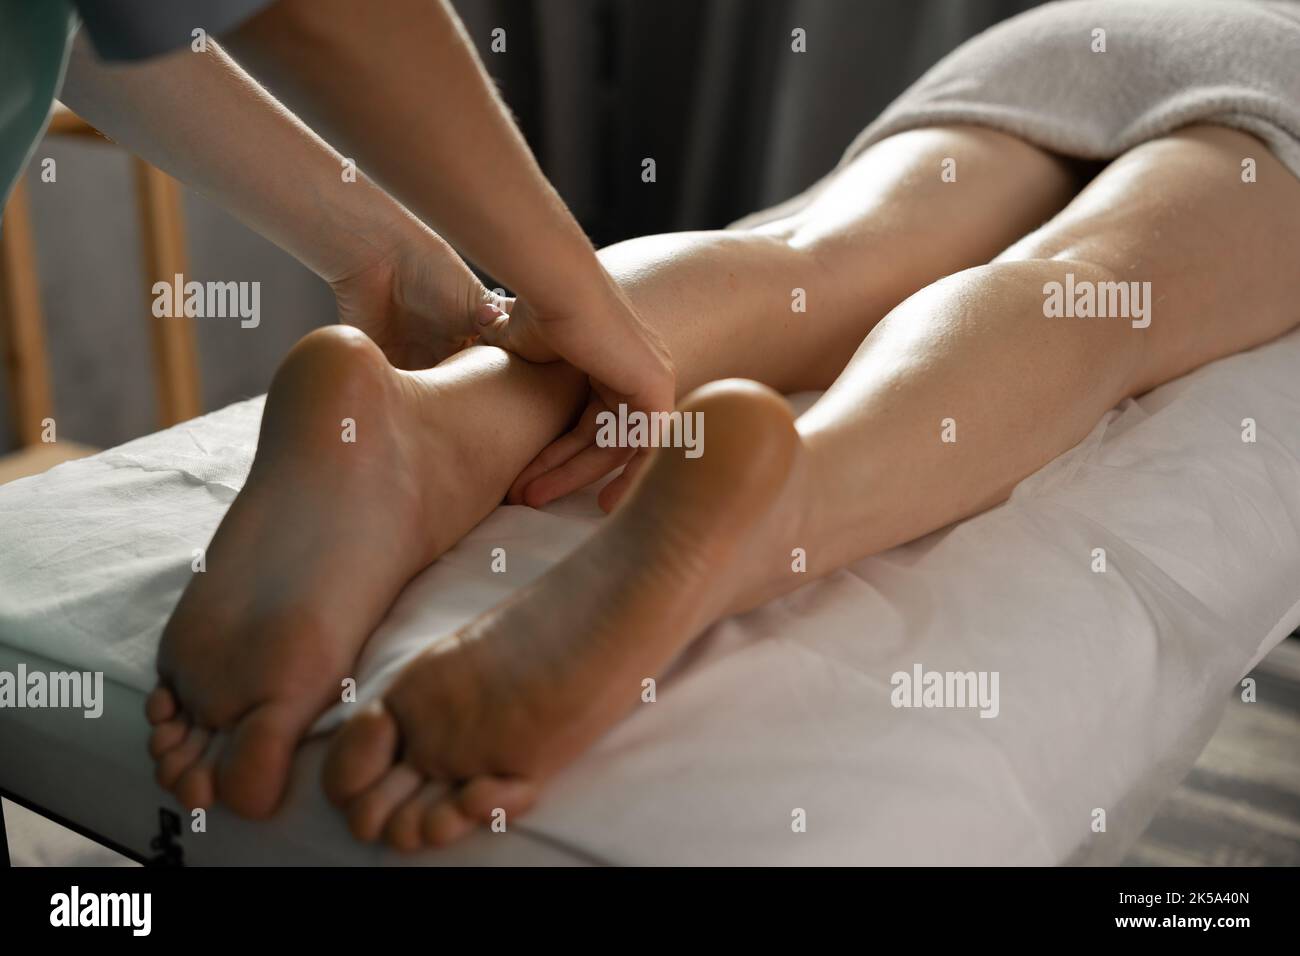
pixel 1110 683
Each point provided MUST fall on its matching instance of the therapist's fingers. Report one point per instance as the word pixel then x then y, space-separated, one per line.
pixel 590 464
pixel 617 490
pixel 564 448
pixel 626 359
pixel 511 326
pixel 551 457
pixel 492 311
pixel 623 367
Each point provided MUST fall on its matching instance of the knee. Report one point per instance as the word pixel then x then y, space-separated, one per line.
pixel 1085 310
pixel 1032 288
pixel 1036 275
pixel 799 241
pixel 1072 288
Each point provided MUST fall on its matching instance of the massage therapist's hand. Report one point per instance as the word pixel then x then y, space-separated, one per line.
pixel 627 364
pixel 573 461
pixel 443 144
pixel 418 301
pixel 393 277
pixel 600 334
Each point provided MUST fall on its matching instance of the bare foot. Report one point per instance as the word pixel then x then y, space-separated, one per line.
pixel 314 550
pixel 474 723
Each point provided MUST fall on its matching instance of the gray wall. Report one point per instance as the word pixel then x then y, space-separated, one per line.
pixel 96 304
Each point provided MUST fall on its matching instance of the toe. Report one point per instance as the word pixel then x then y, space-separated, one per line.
pixel 168 736
pixel 160 706
pixel 362 751
pixel 483 797
pixel 254 766
pixel 444 823
pixel 196 788
pixel 369 813
pixel 179 759
pixel 405 829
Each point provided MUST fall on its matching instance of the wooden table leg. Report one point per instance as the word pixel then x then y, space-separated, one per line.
pixel 176 364
pixel 21 326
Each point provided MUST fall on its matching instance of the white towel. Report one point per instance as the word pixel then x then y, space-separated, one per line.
pixel 1166 63
pixel 1046 77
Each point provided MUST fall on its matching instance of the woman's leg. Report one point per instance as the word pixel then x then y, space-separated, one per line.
pixel 1022 388
pixel 885 226
pixel 327 531
pixel 865 469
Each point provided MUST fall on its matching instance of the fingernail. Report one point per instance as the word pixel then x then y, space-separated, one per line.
pixel 489 313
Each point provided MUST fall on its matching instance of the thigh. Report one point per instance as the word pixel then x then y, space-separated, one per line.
pixel 1218 251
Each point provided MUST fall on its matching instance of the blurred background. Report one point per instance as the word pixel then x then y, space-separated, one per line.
pixel 709 88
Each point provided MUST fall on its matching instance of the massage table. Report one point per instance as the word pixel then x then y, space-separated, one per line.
pixel 1111 682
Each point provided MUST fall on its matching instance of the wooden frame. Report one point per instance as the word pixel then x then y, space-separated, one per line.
pixel 22 327
pixel 27 369
pixel 162 226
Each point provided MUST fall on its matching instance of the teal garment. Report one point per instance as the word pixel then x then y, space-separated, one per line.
pixel 34 39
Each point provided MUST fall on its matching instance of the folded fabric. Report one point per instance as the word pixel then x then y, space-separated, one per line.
pixel 1094 78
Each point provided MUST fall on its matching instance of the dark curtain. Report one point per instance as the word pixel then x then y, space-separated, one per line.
pixel 710 89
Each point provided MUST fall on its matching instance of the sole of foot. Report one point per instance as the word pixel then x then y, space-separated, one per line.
pixel 330 525
pixel 472 726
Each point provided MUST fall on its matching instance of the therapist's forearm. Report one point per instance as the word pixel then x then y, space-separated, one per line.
pixel 397 86
pixel 201 118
